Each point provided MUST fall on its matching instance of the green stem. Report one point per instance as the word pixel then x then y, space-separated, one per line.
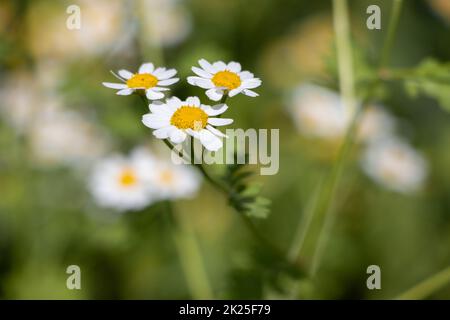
pixel 190 256
pixel 427 287
pixel 392 30
pixel 321 211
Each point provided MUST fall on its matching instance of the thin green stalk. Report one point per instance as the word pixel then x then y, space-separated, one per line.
pixel 392 30
pixel 344 55
pixel 190 257
pixel 321 209
pixel 427 287
pixel 321 212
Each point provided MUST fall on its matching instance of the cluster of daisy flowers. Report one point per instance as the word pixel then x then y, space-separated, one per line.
pixel 175 119
pixel 137 181
pixel 387 159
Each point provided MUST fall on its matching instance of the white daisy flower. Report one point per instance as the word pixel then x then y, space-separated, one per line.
pixel 124 183
pixel 65 137
pixel 170 181
pixel 152 80
pixel 176 119
pixel 318 112
pixel 375 123
pixel 220 78
pixel 395 165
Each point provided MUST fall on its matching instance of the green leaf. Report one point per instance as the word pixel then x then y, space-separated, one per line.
pixel 430 78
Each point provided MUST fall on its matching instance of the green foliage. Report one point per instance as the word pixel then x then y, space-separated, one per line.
pixel 245 197
pixel 430 78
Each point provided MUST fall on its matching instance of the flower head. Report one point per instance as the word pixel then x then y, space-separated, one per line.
pixel 219 78
pixel 177 119
pixel 170 181
pixel 149 79
pixel 318 112
pixel 395 165
pixel 123 183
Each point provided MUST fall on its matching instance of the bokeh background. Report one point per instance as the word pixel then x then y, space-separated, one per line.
pixel 57 120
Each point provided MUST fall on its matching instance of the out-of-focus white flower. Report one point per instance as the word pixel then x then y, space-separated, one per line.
pixel 177 119
pixel 318 112
pixel 65 137
pixel 170 181
pixel 140 179
pixel 152 80
pixel 375 123
pixel 21 100
pixel 165 22
pixel 124 183
pixel 219 78
pixel 395 165
pixel 102 23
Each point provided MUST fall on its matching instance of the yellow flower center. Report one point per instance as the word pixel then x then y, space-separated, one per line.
pixel 188 117
pixel 227 79
pixel 127 178
pixel 166 177
pixel 142 80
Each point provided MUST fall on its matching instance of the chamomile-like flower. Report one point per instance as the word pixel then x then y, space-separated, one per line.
pixel 152 81
pixel 124 183
pixel 220 78
pixel 177 119
pixel 318 112
pixel 170 181
pixel 395 165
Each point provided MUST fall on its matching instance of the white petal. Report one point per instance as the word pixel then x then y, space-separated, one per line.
pixel 209 140
pixel 125 74
pixel 250 93
pixel 155 121
pixel 202 73
pixel 220 121
pixel 174 103
pixel 159 71
pixel 146 68
pixel 163 133
pixel 214 110
pixel 234 66
pixel 115 85
pixel 220 65
pixel 246 75
pixel 193 101
pixel 234 92
pixel 166 74
pixel 125 92
pixel 154 95
pixel 200 82
pixel 215 131
pixel 167 82
pixel 160 89
pixel 214 94
pixel 251 83
pixel 177 136
pixel 159 107
pixel 207 66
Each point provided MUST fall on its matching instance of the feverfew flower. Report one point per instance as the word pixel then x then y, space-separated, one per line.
pixel 375 123
pixel 177 119
pixel 59 136
pixel 170 181
pixel 318 112
pixel 220 78
pixel 395 165
pixel 124 183
pixel 148 78
pixel 165 22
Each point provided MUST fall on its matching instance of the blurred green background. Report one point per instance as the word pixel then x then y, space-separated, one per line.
pixel 48 219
